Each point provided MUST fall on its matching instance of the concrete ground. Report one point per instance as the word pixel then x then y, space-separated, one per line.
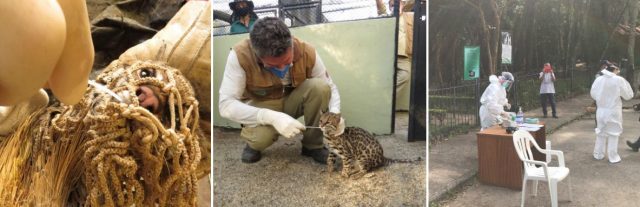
pixel 285 178
pixel 594 182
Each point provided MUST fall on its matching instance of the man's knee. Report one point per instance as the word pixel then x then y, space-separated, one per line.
pixel 260 137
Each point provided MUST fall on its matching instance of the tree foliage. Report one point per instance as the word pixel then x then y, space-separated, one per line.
pixel 556 31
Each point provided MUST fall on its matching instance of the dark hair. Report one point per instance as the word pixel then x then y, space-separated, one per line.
pixel 270 37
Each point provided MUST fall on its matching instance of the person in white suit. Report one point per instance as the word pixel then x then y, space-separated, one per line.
pixel 494 99
pixel 607 90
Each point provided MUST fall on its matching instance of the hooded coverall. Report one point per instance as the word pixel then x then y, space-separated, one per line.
pixel 607 91
pixel 493 101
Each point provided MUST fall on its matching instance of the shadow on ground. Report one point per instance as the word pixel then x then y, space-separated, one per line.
pixel 285 178
pixel 594 182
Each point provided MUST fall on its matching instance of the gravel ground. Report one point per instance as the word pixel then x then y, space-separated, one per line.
pixel 285 178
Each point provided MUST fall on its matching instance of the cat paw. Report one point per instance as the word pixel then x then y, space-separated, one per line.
pixel 330 170
pixel 345 174
pixel 357 175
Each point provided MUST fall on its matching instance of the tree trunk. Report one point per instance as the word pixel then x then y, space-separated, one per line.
pixel 632 44
pixel 570 57
pixel 583 32
pixel 488 45
pixel 494 32
pixel 522 37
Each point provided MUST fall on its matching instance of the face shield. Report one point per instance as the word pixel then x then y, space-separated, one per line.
pixel 506 80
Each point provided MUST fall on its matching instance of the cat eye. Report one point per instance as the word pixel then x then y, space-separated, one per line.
pixel 147 72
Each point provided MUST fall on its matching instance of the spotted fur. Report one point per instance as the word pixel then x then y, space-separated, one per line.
pixel 356 147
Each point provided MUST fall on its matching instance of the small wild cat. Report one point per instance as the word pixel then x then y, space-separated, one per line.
pixel 354 144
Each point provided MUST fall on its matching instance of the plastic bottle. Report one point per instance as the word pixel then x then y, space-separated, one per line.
pixel 520 116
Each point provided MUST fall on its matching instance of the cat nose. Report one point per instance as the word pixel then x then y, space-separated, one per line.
pixel 147 99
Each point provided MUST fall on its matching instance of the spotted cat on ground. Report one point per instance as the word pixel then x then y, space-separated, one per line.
pixel 354 145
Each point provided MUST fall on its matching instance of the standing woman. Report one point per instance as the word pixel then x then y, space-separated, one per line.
pixel 547 90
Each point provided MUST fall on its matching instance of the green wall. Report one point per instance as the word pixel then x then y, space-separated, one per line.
pixel 359 57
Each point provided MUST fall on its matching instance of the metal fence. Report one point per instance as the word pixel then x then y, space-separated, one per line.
pixel 302 12
pixel 454 109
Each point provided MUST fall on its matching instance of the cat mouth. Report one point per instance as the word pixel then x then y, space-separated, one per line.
pixel 327 129
pixel 148 98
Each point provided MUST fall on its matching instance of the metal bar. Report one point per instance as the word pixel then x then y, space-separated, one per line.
pixel 395 79
pixel 299 4
pixel 477 101
pixel 417 108
pixel 319 12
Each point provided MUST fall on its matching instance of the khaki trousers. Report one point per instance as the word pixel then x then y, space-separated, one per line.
pixel 403 71
pixel 309 99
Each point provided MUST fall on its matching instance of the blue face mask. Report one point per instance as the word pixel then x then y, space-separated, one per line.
pixel 280 73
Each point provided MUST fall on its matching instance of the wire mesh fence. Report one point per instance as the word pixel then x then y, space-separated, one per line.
pixel 454 110
pixel 297 13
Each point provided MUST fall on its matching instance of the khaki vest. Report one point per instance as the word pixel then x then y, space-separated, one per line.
pixel 262 84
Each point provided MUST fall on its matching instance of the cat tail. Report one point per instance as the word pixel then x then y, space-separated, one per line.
pixel 389 160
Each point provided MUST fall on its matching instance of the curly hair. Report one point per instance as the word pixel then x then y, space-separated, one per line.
pixel 270 37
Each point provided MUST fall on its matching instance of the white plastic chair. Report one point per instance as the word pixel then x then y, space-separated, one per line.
pixel 552 175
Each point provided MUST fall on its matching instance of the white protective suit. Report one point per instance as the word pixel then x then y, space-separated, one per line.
pixel 493 101
pixel 607 91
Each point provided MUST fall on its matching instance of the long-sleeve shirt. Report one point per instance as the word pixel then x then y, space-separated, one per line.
pixel 234 83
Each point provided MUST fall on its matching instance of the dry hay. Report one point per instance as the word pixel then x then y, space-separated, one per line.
pixel 102 152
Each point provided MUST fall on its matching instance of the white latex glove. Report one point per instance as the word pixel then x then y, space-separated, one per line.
pixel 285 124
pixel 508 105
pixel 505 115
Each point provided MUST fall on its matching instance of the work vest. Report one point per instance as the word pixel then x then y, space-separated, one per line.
pixel 262 84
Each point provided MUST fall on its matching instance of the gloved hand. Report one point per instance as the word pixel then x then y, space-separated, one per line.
pixel 508 105
pixel 505 115
pixel 283 123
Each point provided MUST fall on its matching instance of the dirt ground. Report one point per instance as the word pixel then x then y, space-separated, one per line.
pixel 285 178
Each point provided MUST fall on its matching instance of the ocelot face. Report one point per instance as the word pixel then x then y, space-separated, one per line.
pixel 151 97
pixel 150 85
pixel 329 122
